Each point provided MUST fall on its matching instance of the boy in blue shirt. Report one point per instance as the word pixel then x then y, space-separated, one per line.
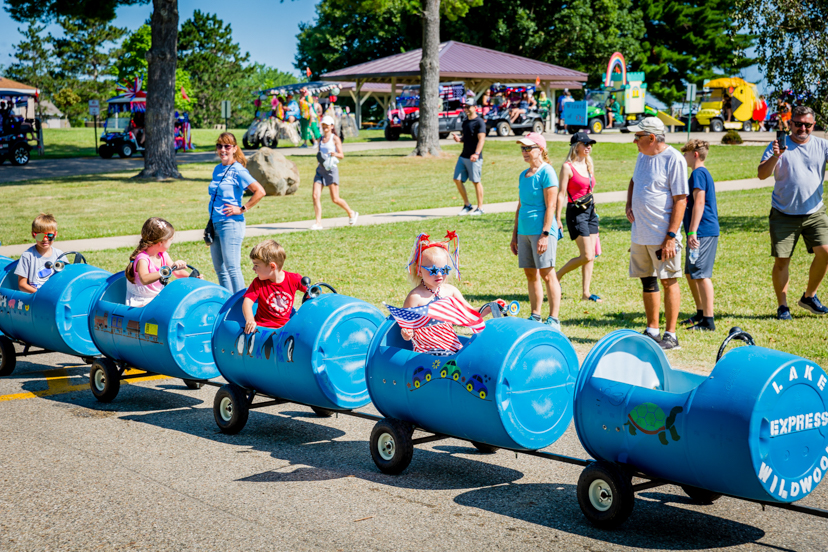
pixel 31 270
pixel 701 223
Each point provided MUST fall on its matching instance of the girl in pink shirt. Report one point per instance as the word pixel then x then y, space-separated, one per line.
pixel 142 272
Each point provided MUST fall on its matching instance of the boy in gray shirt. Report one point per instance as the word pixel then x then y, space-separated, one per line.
pixel 31 269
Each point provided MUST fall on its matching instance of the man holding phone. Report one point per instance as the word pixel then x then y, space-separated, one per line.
pixel 470 163
pixel 797 163
pixel 656 200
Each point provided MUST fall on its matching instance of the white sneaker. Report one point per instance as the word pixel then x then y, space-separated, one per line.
pixel 352 220
pixel 465 210
pixel 477 212
pixel 316 227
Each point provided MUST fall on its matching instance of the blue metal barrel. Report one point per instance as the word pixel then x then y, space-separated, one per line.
pixel 171 335
pixel 55 317
pixel 756 428
pixel 317 358
pixel 4 261
pixel 510 386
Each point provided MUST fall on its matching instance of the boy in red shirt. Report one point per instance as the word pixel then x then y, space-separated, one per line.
pixel 273 288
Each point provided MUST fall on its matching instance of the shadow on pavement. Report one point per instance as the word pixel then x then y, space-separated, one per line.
pixel 652 525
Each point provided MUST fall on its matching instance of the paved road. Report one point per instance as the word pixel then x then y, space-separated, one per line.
pixel 150 471
pixel 58 168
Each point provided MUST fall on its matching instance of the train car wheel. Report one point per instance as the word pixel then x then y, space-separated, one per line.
pixel 391 446
pixel 322 412
pixel 702 496
pixel 484 448
pixel 104 380
pixel 231 409
pixel 605 495
pixel 8 356
pixel 193 384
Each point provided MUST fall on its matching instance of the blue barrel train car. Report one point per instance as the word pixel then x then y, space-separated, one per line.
pixel 510 386
pixel 55 317
pixel 170 336
pixel 756 428
pixel 317 359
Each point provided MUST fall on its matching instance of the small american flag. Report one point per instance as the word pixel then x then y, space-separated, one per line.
pixel 433 323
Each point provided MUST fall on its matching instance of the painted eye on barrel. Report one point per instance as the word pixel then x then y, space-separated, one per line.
pixel 240 344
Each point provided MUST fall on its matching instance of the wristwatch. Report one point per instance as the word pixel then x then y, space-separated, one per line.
pixel 244 208
pixel 545 233
pixel 672 234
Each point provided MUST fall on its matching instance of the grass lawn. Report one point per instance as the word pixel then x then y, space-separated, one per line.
pixel 373 270
pixel 372 182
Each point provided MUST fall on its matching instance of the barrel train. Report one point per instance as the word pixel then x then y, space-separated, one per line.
pixel 756 428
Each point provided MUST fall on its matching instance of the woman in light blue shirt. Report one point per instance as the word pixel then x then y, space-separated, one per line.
pixel 230 180
pixel 535 235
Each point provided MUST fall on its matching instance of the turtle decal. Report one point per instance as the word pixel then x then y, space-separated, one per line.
pixel 649 419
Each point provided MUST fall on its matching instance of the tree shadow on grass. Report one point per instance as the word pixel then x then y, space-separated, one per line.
pixel 747 223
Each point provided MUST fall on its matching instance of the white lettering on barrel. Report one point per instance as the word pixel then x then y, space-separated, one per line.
pixel 817 419
pixel 808 370
pixel 773 485
pixel 800 422
pixel 817 475
pixel 764 472
pixel 793 375
pixel 809 421
pixel 820 383
pixel 3 300
pixel 823 462
pixel 806 484
pixel 782 492
pixel 777 387
pixel 774 429
pixel 794 489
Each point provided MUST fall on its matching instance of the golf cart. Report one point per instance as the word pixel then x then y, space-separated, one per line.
pixel 18 134
pixel 711 113
pixel 498 117
pixel 404 115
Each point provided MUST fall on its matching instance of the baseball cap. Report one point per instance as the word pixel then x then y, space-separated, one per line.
pixel 581 137
pixel 533 139
pixel 327 120
pixel 470 102
pixel 650 125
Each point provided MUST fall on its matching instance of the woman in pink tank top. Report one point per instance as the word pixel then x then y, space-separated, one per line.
pixel 577 182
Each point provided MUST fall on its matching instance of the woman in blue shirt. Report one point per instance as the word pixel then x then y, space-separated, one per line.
pixel 535 235
pixel 230 180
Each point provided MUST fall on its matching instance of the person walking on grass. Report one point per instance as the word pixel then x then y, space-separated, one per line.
pixel 327 173
pixel 798 167
pixel 470 163
pixel 656 200
pixel 577 183
pixel 701 223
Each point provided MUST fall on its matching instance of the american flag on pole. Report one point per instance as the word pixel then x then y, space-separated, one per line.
pixel 432 323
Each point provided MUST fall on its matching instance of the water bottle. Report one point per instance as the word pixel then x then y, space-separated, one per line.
pixel 693 256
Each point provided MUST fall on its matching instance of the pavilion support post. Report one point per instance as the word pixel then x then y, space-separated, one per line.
pixel 553 113
pixel 358 104
pixel 393 99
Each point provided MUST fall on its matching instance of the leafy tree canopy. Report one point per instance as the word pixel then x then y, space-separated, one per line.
pixel 45 10
pixel 34 65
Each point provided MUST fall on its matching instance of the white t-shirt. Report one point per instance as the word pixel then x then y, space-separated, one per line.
pixel 32 265
pixel 657 178
pixel 799 174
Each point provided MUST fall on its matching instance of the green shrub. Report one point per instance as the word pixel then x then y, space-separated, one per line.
pixel 731 137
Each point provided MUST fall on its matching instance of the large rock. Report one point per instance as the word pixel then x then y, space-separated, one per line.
pixel 274 171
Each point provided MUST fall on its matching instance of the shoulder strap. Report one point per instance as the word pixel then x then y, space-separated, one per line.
pixel 215 194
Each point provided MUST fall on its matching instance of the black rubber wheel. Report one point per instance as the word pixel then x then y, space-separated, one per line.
pixel 105 152
pixel 391 134
pixel 322 412
pixel 247 144
pixel 605 495
pixel 596 125
pixel 231 409
pixel 747 126
pixel 484 448
pixel 270 142
pixel 104 380
pixel 538 126
pixel 126 150
pixel 502 128
pixel 570 129
pixel 415 129
pixel 391 446
pixel 716 125
pixel 193 384
pixel 20 154
pixel 8 356
pixel 702 496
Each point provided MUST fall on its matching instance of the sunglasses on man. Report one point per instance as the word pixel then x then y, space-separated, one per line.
pixel 802 124
pixel 41 236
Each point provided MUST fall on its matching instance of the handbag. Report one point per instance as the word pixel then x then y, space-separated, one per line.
pixel 585 201
pixel 209 235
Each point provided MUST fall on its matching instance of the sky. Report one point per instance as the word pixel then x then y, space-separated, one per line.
pixel 265 28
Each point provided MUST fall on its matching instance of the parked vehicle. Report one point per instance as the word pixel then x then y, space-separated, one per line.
pixel 19 135
pixel 712 112
pixel 404 116
pixel 498 116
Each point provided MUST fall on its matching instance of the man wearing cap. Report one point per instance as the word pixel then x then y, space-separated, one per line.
pixel 470 163
pixel 656 200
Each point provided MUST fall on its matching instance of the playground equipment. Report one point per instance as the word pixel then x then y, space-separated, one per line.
pixel 756 428
pixel 711 113
pixel 169 336
pixel 54 319
pixel 317 359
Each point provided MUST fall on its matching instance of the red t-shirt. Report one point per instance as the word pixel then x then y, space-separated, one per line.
pixel 275 300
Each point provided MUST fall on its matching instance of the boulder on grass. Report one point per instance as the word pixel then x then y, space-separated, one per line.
pixel 274 171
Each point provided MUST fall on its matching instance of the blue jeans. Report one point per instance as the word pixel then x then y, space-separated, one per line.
pixel 226 253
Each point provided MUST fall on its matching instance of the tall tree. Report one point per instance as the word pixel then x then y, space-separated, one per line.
pixel 690 41
pixel 159 161
pixel 791 46
pixel 34 64
pixel 215 63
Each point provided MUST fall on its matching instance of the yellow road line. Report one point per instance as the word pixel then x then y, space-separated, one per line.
pixel 59 385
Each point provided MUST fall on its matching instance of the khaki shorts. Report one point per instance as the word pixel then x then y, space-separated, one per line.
pixel 786 229
pixel 644 263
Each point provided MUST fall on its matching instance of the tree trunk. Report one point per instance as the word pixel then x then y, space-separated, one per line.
pixel 428 139
pixel 159 158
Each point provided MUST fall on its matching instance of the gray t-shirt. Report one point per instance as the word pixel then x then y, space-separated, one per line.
pixel 799 174
pixel 657 178
pixel 33 266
